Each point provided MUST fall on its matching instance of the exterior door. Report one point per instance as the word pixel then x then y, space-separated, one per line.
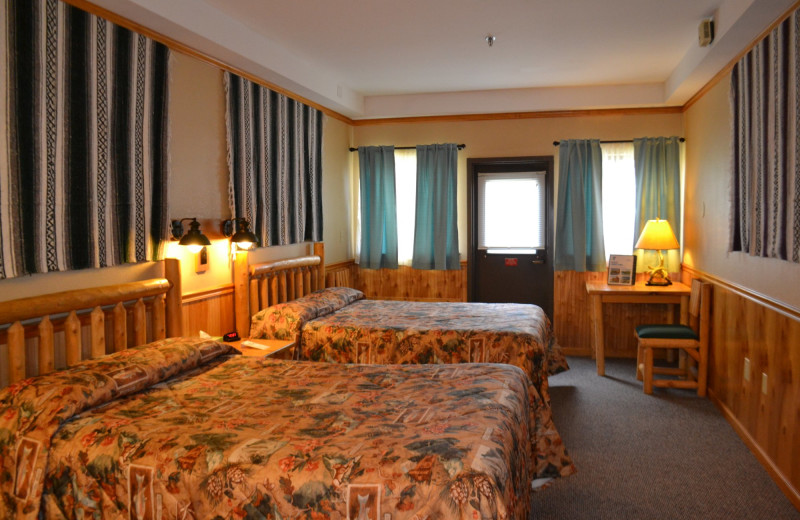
pixel 511 231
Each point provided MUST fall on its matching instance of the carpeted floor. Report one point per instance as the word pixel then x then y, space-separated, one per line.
pixel 667 456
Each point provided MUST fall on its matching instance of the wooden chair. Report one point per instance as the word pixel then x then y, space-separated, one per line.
pixel 692 340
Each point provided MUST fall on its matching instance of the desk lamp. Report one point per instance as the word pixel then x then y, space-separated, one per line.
pixel 658 235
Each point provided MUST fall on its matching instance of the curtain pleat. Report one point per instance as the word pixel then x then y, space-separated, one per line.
pixel 657 168
pixel 579 219
pixel 84 150
pixel 378 207
pixel 275 163
pixel 436 221
pixel 765 186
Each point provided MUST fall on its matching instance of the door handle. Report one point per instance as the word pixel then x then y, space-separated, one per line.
pixel 537 261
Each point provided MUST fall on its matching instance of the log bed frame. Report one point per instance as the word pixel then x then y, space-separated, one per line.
pixel 258 286
pixel 122 311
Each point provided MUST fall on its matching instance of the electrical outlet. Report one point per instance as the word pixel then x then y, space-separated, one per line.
pixel 764 383
pixel 747 369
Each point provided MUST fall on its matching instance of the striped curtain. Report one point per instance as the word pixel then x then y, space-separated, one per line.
pixel 275 163
pixel 765 101
pixel 83 141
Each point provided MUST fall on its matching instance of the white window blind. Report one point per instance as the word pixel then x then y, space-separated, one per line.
pixel 511 211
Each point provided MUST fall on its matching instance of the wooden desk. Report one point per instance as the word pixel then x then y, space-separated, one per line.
pixel 601 292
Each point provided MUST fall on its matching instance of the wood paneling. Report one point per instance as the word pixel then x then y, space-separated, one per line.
pixel 746 325
pixel 406 283
pixel 210 311
pixel 572 317
pixel 342 274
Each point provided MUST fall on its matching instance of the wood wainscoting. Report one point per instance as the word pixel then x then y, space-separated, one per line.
pixel 572 319
pixel 341 274
pixel 210 311
pixel 748 325
pixel 406 283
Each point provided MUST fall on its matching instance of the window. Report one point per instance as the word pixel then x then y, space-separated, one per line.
pixel 508 198
pixel 405 178
pixel 619 198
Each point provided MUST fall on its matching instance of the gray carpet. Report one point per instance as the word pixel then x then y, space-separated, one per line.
pixel 667 456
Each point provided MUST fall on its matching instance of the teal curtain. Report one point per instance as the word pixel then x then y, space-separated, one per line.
pixel 378 207
pixel 658 187
pixel 579 219
pixel 436 222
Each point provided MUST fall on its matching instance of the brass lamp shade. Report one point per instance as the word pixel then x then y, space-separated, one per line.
pixel 657 234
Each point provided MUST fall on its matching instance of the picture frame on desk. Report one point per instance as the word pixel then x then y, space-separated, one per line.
pixel 621 270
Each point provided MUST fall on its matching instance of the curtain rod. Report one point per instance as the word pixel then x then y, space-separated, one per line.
pixel 556 143
pixel 459 146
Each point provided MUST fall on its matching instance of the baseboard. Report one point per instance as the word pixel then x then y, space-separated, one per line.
pixel 777 475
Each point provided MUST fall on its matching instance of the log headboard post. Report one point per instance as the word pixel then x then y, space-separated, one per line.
pixel 172 272
pixel 319 250
pixel 241 288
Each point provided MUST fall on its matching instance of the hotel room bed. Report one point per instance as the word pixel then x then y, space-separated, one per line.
pixel 181 429
pixel 184 428
pixel 338 325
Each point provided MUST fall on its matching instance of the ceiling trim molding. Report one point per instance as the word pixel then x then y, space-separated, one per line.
pixel 194 53
pixel 520 115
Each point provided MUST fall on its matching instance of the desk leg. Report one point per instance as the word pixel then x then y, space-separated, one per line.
pixel 599 347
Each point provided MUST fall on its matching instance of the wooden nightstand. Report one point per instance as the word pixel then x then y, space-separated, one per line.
pixel 277 348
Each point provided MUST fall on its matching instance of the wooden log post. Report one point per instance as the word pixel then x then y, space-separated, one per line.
pixel 98 327
pixel 172 272
pixel 16 352
pixel 46 348
pixel 72 338
pixel 157 317
pixel 319 250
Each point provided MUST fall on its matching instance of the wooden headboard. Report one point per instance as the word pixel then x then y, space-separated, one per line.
pixel 38 329
pixel 257 286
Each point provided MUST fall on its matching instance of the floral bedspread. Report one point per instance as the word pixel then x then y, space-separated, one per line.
pixel 338 325
pixel 179 429
pixel 385 332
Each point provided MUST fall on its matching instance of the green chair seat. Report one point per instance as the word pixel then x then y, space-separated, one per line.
pixel 666 331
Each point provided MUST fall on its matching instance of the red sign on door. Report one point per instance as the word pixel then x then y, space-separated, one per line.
pixel 511 262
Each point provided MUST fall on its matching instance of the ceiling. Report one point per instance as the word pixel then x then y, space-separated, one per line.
pixel 369 59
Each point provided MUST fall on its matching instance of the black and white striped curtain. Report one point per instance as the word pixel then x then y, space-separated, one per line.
pixel 765 100
pixel 275 163
pixel 83 141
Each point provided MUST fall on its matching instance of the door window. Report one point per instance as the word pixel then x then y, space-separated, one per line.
pixel 511 212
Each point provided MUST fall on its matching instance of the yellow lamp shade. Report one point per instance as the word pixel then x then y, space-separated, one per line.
pixel 657 234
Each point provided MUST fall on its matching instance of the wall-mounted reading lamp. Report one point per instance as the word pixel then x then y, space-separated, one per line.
pixel 242 237
pixel 193 239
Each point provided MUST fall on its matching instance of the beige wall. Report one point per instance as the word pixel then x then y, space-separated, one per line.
pixel 513 138
pixel 199 188
pixel 707 207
